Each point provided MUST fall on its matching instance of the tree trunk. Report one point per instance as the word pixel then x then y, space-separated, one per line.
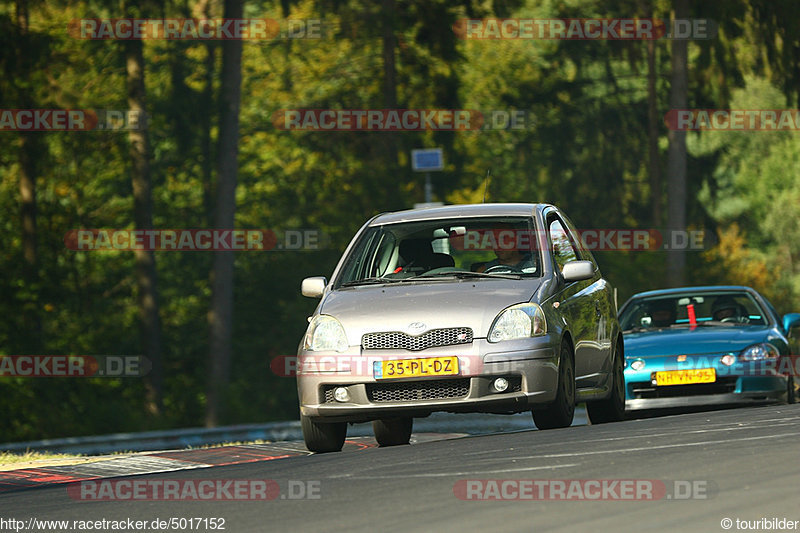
pixel 202 10
pixel 206 146
pixel 220 316
pixel 676 164
pixel 146 277
pixel 27 192
pixel 652 131
pixel 389 69
pixel 29 153
pixel 388 15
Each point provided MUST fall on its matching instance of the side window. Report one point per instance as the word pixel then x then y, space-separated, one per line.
pixel 775 315
pixel 383 255
pixel 577 241
pixel 563 250
pixel 356 267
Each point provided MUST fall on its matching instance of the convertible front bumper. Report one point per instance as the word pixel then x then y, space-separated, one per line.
pixel 735 390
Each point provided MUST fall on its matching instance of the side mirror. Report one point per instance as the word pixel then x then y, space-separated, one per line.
pixel 314 287
pixel 578 271
pixel 790 321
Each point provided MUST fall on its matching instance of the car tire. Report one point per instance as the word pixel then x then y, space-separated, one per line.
pixel 560 413
pixel 791 391
pixel 611 409
pixel 323 437
pixel 393 431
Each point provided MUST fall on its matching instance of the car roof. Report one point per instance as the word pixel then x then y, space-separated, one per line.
pixel 451 211
pixel 679 290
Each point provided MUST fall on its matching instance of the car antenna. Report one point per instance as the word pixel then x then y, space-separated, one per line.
pixel 486 186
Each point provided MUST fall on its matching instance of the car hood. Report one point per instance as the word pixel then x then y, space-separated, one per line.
pixel 700 340
pixel 439 304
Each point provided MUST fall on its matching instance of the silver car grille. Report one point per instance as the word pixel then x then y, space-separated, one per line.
pixel 397 340
pixel 440 389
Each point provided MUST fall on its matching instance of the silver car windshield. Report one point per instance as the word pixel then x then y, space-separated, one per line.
pixel 444 249
pixel 713 308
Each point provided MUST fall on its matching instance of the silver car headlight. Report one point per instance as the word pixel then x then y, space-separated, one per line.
pixel 517 322
pixel 325 333
pixel 757 352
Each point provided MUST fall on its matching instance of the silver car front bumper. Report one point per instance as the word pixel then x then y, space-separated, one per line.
pixel 531 363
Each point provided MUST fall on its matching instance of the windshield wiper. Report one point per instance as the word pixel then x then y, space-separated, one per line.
pixel 459 274
pixel 635 329
pixel 462 274
pixel 368 281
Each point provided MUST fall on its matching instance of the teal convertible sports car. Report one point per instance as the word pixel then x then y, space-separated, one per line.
pixel 707 346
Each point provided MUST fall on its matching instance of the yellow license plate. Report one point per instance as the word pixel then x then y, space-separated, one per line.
pixel 686 377
pixel 416 368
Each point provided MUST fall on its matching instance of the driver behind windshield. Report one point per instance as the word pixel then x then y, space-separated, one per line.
pixel 507 255
pixel 725 307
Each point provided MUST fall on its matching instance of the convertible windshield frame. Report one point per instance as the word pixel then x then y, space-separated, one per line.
pixel 456 247
pixel 641 307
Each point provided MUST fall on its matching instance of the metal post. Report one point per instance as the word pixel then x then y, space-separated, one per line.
pixel 428 188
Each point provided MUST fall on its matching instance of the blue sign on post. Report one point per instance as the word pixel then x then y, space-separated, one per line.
pixel 427 160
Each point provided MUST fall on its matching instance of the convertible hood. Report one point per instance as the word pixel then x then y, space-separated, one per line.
pixel 437 304
pixel 700 340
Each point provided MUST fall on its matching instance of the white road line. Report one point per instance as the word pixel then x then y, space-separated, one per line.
pixel 744 425
pixel 646 448
pixel 267 447
pixel 451 474
pixel 651 435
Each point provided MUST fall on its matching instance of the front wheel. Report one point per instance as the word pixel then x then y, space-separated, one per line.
pixel 321 437
pixel 393 431
pixel 559 414
pixel 611 409
pixel 791 392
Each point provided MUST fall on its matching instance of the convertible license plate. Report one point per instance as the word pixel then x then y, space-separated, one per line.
pixel 416 368
pixel 686 377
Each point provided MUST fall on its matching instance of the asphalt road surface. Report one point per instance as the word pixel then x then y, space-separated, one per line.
pixel 690 472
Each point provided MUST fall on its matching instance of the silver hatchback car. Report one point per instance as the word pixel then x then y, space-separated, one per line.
pixel 490 308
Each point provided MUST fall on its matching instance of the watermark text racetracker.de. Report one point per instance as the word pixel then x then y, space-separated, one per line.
pixel 72 120
pixel 582 489
pixel 368 366
pixel 388 365
pixel 192 29
pixel 732 365
pixel 733 119
pixel 394 120
pixel 593 239
pixel 74 366
pixel 224 240
pixel 586 29
pixel 194 490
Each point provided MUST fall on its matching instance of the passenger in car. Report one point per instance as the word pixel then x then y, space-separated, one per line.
pixel 662 313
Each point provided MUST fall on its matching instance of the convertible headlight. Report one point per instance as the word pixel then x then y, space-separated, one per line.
pixel 325 333
pixel 756 352
pixel 517 322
